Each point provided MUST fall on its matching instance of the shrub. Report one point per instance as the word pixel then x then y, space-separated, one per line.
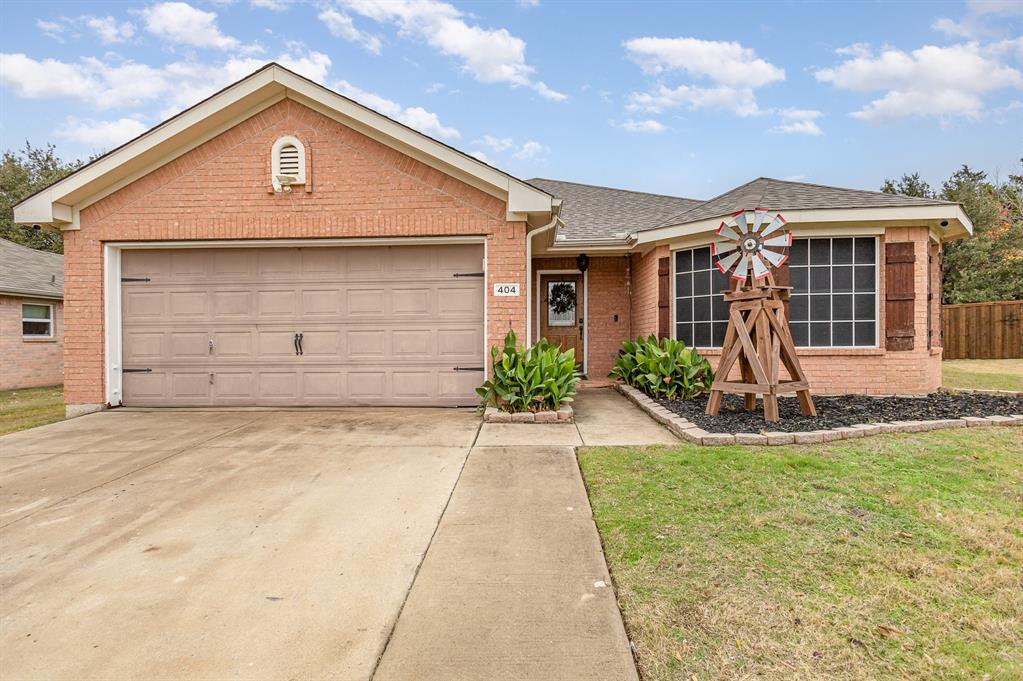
pixel 665 368
pixel 538 378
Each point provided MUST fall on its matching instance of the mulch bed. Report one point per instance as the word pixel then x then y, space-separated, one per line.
pixel 843 410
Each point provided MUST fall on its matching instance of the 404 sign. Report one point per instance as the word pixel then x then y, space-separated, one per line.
pixel 506 289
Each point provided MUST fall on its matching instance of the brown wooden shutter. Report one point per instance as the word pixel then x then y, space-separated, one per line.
pixel 664 297
pixel 781 278
pixel 900 295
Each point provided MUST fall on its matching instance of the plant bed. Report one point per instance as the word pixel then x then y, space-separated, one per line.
pixel 842 410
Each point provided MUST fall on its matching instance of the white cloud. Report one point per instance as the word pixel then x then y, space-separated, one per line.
pixel 929 81
pixel 497 144
pixel 725 63
pixel 527 4
pixel 742 101
pixel 109 30
pixel 480 156
pixel 530 149
pixel 117 84
pixel 799 122
pixel 733 73
pixel 180 23
pixel 488 55
pixel 434 88
pixel 341 25
pixel 976 23
pixel 51 29
pixel 100 135
pixel 648 125
pixel 414 116
pixel 272 5
pixel 794 178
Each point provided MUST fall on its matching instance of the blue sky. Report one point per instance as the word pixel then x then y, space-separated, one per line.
pixel 686 99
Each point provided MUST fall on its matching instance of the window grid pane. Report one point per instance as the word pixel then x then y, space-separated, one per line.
pixel 701 313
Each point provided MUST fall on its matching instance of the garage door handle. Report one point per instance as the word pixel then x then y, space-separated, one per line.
pixel 296 344
pixel 298 337
pixel 467 368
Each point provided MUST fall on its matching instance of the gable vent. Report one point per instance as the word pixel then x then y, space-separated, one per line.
pixel 289 160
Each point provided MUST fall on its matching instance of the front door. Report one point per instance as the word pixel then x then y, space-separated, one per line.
pixel 561 311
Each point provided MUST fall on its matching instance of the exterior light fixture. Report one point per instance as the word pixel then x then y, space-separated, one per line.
pixel 582 262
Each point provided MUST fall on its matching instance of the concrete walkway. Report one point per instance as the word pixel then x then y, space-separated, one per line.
pixel 514 586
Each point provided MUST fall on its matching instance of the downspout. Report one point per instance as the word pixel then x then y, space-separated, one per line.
pixel 529 274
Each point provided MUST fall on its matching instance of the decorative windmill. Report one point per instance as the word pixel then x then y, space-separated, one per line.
pixel 758 336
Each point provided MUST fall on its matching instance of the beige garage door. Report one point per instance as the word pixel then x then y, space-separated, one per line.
pixel 396 325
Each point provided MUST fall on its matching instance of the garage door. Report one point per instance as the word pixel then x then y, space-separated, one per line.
pixel 395 325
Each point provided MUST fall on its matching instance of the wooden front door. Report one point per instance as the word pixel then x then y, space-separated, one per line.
pixel 561 311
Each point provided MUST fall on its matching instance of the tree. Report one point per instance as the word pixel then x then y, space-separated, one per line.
pixel 23 173
pixel 909 185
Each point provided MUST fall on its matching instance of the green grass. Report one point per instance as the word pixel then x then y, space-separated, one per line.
pixel 983 374
pixel 789 562
pixel 31 407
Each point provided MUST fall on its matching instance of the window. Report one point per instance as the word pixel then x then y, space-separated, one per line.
pixel 288 163
pixel 561 303
pixel 701 314
pixel 37 321
pixel 834 292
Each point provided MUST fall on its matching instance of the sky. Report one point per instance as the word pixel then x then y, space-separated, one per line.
pixel 687 99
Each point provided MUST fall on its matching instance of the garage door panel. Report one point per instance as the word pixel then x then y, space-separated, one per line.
pixel 379 325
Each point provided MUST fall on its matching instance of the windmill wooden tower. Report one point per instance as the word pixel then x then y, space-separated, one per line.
pixel 757 336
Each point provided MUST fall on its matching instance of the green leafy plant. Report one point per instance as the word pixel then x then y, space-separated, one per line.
pixel 537 378
pixel 663 368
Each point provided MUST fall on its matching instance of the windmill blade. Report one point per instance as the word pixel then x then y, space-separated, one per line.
pixel 758 218
pixel 724 264
pixel 760 269
pixel 722 247
pixel 741 270
pixel 740 221
pixel 776 259
pixel 780 241
pixel 728 230
pixel 777 223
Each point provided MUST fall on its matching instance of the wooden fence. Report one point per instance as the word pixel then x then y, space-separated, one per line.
pixel 983 330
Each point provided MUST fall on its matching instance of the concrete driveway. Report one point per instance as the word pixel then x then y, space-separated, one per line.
pixel 217 545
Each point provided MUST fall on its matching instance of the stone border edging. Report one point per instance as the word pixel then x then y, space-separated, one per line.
pixel 563 415
pixel 692 433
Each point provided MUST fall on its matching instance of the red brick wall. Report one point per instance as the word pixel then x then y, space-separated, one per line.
pixel 30 363
pixel 608 287
pixel 644 291
pixel 360 188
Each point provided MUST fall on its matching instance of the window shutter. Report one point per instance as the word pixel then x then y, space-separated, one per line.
pixel 900 295
pixel 664 297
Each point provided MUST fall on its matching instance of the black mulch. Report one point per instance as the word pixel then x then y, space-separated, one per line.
pixel 842 410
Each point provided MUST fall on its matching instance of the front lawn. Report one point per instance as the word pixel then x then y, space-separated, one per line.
pixel 887 557
pixel 30 407
pixel 983 374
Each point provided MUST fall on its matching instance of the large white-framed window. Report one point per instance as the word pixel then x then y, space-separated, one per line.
pixel 834 291
pixel 701 313
pixel 37 320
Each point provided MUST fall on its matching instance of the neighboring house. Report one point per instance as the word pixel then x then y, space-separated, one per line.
pixel 280 244
pixel 31 317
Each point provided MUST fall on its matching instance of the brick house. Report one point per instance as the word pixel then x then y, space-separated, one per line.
pixel 31 317
pixel 280 244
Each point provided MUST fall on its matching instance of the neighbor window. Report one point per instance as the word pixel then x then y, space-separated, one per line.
pixel 834 292
pixel 37 321
pixel 701 313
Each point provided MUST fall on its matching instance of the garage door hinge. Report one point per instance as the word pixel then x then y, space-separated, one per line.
pixel 124 279
pixel 136 371
pixel 468 368
pixel 468 274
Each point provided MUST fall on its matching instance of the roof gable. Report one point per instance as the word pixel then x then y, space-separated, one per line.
pixel 58 204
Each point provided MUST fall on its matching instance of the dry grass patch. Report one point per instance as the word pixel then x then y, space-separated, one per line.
pixel 30 407
pixel 889 557
pixel 983 374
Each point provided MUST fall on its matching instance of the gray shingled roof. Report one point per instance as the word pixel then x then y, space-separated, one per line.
pixel 29 272
pixel 592 212
pixel 782 195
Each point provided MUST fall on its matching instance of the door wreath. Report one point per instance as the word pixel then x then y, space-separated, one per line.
pixel 562 297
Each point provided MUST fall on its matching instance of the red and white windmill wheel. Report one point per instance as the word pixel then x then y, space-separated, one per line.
pixel 749 236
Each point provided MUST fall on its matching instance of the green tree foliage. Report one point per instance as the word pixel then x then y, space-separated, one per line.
pixel 23 173
pixel 989 265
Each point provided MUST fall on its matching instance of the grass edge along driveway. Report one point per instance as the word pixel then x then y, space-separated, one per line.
pixel 26 408
pixel 887 557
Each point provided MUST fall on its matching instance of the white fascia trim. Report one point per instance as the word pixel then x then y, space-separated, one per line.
pixel 39 208
pixel 891 216
pixel 112 324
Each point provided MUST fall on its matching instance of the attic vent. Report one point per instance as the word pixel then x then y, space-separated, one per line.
pixel 287 164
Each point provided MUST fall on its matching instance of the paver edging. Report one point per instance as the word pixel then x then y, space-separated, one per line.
pixel 692 433
pixel 563 415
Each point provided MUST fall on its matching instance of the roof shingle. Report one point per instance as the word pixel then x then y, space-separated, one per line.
pixel 29 272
